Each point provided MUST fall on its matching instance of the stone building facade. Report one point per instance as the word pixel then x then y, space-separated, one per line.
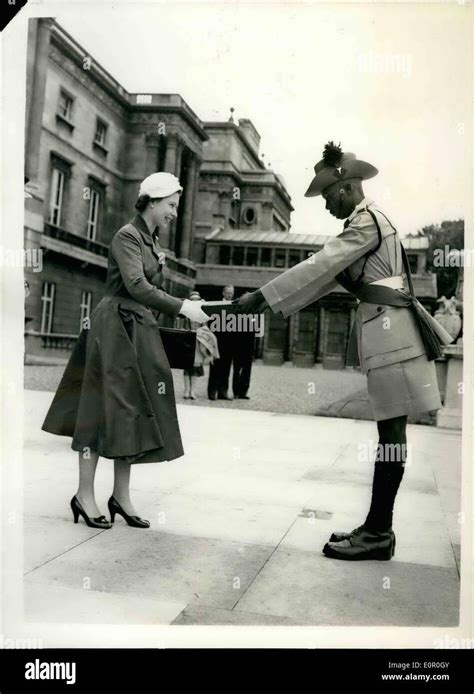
pixel 89 143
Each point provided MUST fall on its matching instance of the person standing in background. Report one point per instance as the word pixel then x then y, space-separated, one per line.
pixel 191 374
pixel 243 348
pixel 219 371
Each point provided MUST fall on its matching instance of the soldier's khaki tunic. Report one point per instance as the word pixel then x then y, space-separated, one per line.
pixel 400 379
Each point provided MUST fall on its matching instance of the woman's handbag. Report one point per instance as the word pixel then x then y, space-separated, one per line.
pixel 180 347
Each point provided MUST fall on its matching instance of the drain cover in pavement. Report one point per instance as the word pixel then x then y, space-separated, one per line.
pixel 314 513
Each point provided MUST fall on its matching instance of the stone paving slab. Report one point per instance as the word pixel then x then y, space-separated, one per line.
pixel 221 518
pixel 208 616
pixel 160 566
pixel 47 538
pixel 308 586
pixel 434 549
pixel 52 603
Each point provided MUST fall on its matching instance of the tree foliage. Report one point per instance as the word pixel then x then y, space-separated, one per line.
pixel 450 234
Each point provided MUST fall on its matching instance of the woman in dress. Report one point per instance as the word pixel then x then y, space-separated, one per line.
pixel 194 372
pixel 116 398
pixel 207 351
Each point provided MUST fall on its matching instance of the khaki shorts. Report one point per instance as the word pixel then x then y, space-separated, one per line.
pixel 404 388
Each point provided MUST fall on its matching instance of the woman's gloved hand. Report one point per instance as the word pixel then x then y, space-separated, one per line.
pixel 193 311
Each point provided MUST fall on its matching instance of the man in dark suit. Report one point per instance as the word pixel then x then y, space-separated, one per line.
pixel 219 371
pixel 244 344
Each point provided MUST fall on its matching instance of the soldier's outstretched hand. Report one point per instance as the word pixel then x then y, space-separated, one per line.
pixel 251 302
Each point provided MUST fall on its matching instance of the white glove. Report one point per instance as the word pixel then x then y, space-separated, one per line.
pixel 193 311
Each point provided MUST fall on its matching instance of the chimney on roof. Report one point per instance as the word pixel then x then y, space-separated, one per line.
pixel 250 133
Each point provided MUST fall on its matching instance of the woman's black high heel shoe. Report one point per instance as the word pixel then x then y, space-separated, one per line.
pixel 77 510
pixel 134 521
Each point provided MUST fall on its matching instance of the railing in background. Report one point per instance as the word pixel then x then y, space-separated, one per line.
pixel 76 240
pixel 52 340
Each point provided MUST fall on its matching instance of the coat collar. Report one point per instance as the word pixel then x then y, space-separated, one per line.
pixel 358 208
pixel 149 238
pixel 142 227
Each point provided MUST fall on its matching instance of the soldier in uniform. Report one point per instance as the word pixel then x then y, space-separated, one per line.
pixel 397 339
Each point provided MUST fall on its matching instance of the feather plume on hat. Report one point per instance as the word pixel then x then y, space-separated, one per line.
pixel 338 166
pixel 332 154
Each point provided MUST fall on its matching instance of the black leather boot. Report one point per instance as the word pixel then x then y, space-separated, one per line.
pixel 363 545
pixel 386 481
pixel 340 535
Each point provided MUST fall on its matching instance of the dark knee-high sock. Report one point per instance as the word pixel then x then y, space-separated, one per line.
pixel 388 472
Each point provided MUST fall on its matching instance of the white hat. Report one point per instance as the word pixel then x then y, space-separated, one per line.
pixel 160 185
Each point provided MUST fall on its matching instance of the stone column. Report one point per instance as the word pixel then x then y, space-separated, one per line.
pixel 171 160
pixel 179 156
pixel 171 154
pixel 38 44
pixel 189 185
pixel 151 162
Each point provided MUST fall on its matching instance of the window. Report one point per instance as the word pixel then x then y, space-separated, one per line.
pixel 252 256
pixel 265 257
pixel 277 331
pixel 238 255
pixel 280 257
pixel 250 215
pixel 47 307
pixel 306 331
pixel 224 255
pixel 86 303
pixel 57 194
pixel 337 330
pixel 294 257
pixel 100 133
pixel 234 213
pixel 413 262
pixel 93 216
pixel 277 224
pixel 65 105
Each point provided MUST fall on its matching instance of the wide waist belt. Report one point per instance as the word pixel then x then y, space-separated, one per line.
pixel 392 282
pixel 432 333
pixel 127 303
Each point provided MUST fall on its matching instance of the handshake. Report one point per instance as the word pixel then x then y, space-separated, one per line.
pixel 250 302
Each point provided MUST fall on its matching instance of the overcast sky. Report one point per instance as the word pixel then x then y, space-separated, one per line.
pixel 305 74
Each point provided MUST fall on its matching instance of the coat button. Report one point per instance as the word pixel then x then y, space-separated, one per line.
pixel 379 308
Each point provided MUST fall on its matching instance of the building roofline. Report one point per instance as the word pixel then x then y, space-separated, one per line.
pixel 77 52
pixel 226 125
pixel 126 99
pixel 252 236
pixel 244 178
pixel 181 107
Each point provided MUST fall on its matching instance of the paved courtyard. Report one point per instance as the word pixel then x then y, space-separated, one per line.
pixel 282 389
pixel 238 525
pixel 285 389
